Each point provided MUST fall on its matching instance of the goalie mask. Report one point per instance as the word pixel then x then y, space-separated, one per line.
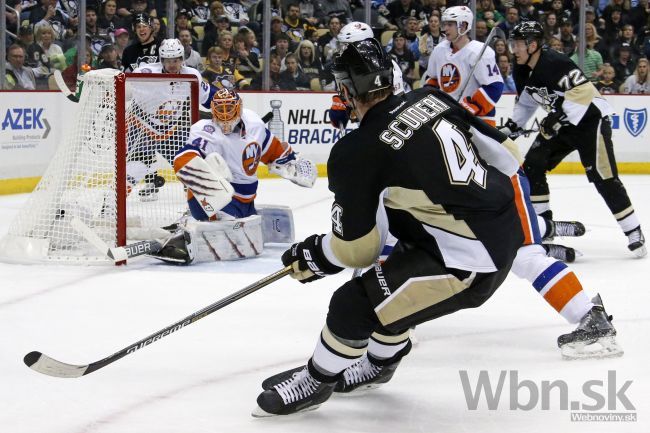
pixel 362 67
pixel 226 110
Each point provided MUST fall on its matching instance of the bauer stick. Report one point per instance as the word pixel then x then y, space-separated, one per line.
pixel 117 254
pixel 496 32
pixel 42 363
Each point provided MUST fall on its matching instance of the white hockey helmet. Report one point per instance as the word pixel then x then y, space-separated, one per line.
pixel 171 49
pixel 354 32
pixel 459 14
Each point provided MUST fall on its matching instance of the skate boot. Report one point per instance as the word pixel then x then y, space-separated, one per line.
pixel 636 242
pixel 178 249
pixel 560 252
pixel 595 336
pixel 149 190
pixel 366 374
pixel 564 228
pixel 363 374
pixel 300 392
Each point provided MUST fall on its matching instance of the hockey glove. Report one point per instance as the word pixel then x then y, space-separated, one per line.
pixel 511 129
pixel 308 260
pixel 470 105
pixel 339 115
pixel 301 171
pixel 551 124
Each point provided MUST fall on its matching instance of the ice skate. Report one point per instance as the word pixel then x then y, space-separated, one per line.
pixel 564 228
pixel 362 375
pixel 636 242
pixel 178 249
pixel 149 190
pixel 595 336
pixel 365 375
pixel 561 252
pixel 299 393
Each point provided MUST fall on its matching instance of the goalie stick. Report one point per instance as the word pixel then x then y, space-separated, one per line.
pixel 117 254
pixel 43 364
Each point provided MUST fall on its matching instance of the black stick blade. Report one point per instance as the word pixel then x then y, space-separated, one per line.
pixel 51 367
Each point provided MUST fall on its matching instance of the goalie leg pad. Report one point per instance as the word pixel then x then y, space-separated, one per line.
pixel 277 224
pixel 227 240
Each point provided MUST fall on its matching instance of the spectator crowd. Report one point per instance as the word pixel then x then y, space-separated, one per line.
pixel 222 39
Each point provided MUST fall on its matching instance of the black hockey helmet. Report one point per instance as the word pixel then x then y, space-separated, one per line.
pixel 528 31
pixel 363 67
pixel 142 19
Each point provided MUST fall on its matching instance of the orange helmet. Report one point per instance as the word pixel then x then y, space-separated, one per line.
pixel 226 109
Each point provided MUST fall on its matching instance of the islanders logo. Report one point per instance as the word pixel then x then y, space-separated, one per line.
pixel 635 120
pixel 250 158
pixel 449 77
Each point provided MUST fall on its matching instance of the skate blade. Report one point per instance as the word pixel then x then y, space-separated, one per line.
pixel 258 412
pixel 362 390
pixel 640 252
pixel 604 347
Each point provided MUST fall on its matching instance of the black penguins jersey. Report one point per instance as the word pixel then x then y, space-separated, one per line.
pixel 412 168
pixel 555 84
pixel 136 54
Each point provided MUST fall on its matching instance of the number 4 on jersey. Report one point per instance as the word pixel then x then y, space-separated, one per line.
pixel 462 164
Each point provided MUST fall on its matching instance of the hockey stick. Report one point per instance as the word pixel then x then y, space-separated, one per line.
pixel 42 363
pixel 60 83
pixel 117 254
pixel 496 32
pixel 524 132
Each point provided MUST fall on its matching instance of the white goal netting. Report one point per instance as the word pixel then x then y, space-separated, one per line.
pixel 113 171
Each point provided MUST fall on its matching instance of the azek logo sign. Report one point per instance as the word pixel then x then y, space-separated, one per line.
pixel 25 119
pixel 527 395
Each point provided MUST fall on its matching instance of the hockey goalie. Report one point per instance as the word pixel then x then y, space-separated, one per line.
pixel 218 166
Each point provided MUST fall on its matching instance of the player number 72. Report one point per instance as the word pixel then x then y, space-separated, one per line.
pixel 572 79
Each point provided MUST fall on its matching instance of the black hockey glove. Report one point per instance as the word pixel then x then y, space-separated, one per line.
pixel 308 261
pixel 511 129
pixel 551 124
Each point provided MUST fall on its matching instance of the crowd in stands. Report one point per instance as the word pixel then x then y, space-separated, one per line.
pixel 222 39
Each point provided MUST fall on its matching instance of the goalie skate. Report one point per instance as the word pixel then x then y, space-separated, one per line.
pixel 595 336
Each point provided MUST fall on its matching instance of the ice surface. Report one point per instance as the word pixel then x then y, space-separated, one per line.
pixel 205 378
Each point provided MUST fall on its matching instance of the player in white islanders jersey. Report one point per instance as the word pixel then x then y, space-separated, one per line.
pixel 451 62
pixel 156 115
pixel 226 150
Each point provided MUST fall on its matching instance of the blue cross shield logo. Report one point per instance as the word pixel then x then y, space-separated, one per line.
pixel 635 120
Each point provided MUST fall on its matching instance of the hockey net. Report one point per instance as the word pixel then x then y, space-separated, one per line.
pixel 113 171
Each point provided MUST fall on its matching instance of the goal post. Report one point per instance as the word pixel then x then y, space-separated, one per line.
pixel 112 171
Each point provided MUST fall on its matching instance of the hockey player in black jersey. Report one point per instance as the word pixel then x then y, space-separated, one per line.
pixel 578 119
pixel 145 50
pixel 411 167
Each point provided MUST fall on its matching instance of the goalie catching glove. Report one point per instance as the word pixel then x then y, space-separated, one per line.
pixel 208 179
pixel 298 170
pixel 308 260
